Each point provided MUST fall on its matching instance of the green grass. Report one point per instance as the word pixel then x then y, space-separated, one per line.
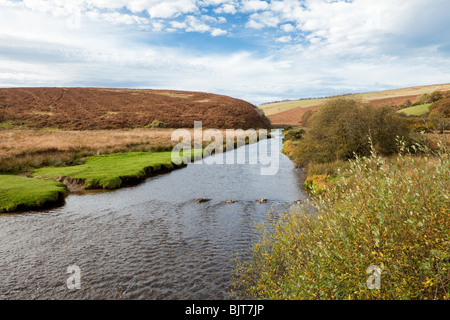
pixel 416 110
pixel 20 193
pixel 109 171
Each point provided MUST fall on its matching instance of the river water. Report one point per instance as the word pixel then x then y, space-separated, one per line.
pixel 150 241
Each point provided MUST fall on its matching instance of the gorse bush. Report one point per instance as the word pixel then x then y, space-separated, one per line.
pixel 393 214
pixel 157 124
pixel 293 134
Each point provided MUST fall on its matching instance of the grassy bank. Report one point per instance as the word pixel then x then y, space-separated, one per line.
pixel 111 171
pixel 391 213
pixel 384 202
pixel 24 150
pixel 101 159
pixel 21 193
pixel 98 172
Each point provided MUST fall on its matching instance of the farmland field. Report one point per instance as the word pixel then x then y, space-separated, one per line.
pixel 290 112
pixel 416 110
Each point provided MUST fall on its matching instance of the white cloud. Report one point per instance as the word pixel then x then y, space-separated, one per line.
pixel 171 8
pixel 218 32
pixel 211 19
pixel 295 49
pixel 254 5
pixel 284 39
pixel 226 8
pixel 194 24
pixel 263 19
pixel 287 27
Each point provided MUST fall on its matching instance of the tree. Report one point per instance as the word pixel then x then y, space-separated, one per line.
pixel 386 126
pixel 439 116
pixel 341 128
pixel 406 104
pixel 423 99
pixel 436 95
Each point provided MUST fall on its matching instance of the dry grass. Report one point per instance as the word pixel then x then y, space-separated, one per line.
pixel 23 150
pixel 17 142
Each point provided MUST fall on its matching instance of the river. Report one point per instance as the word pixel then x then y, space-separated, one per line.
pixel 150 241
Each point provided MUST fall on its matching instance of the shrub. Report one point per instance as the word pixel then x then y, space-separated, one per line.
pixel 441 105
pixel 423 99
pixel 340 129
pixel 386 126
pixel 439 116
pixel 394 215
pixel 288 148
pixel 306 118
pixel 293 134
pixel 418 124
pixel 436 95
pixel 318 184
pixel 157 124
pixel 406 104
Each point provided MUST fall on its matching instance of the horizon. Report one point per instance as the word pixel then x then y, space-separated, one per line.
pixel 257 51
pixel 257 105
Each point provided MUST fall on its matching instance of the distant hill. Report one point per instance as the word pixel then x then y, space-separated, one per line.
pixel 96 108
pixel 291 112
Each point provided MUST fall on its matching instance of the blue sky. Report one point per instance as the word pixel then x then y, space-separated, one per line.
pixel 255 50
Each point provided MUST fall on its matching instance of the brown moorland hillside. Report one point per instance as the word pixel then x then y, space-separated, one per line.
pixel 291 112
pixel 291 117
pixel 98 108
pixel 294 116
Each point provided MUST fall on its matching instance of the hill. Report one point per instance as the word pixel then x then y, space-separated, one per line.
pixel 291 112
pixel 97 108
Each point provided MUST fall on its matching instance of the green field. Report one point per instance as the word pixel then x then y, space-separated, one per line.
pixel 109 171
pixel 416 110
pixel 277 107
pixel 21 193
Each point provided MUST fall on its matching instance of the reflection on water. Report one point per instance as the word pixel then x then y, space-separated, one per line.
pixel 151 241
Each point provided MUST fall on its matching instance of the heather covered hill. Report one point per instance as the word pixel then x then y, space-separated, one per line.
pixel 96 108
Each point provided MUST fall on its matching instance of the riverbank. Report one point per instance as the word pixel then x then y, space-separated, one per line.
pixel 105 171
pixel 21 193
pixel 377 211
pixel 167 244
pixel 25 150
pixel 48 186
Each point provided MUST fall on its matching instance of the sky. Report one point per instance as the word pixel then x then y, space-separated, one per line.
pixel 259 51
